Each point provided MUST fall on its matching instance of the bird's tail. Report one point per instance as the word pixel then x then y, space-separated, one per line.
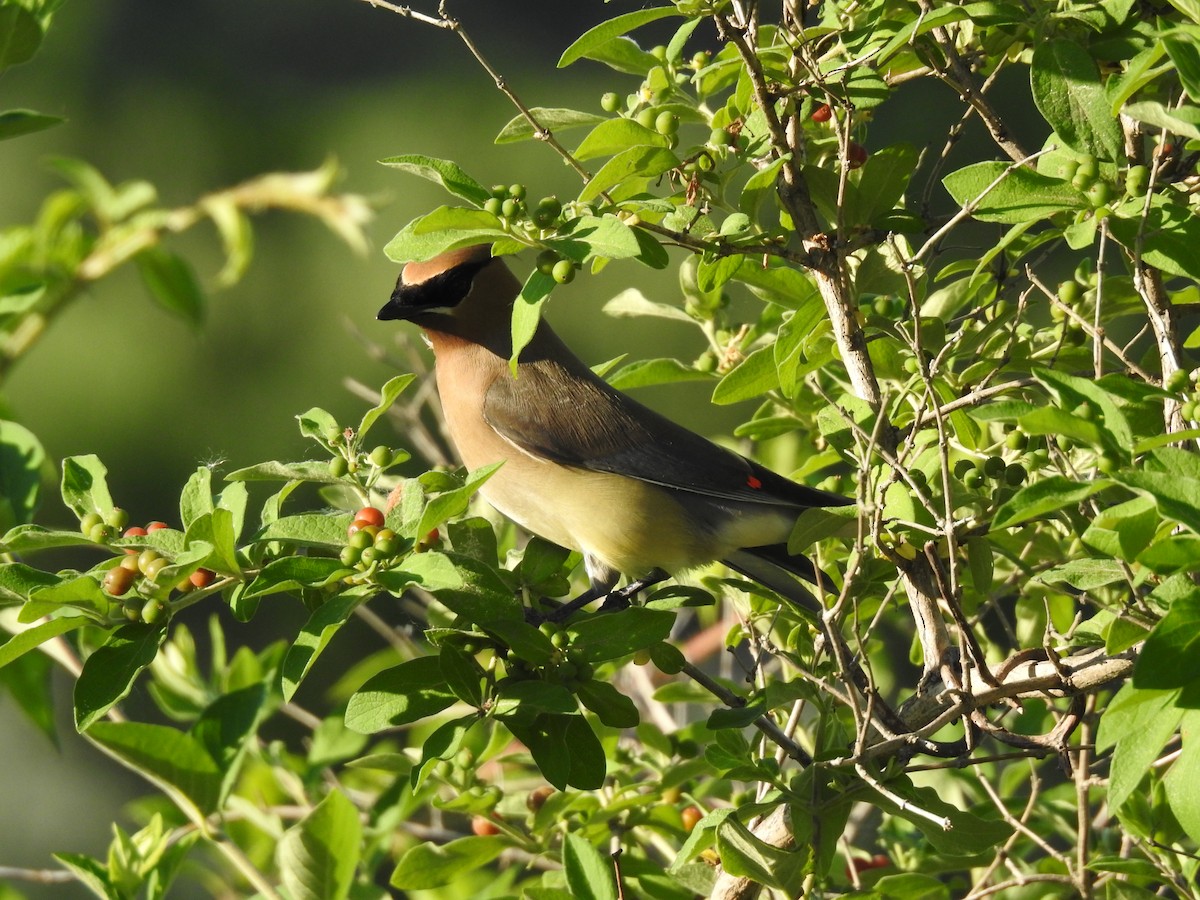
pixel 773 567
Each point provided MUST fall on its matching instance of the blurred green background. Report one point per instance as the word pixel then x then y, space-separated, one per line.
pixel 197 97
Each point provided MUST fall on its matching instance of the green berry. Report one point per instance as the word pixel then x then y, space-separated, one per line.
pixel 666 123
pixel 88 522
pixel 494 206
pixel 659 52
pixel 368 556
pixel 117 581
pixel 381 456
pixel 973 479
pixel 1069 292
pixel 145 558
pixel 546 262
pixel 338 466
pixel 100 533
pixel 1016 440
pixel 1015 474
pixel 1107 463
pixel 1137 179
pixel 1176 381
pixel 701 59
pixel 386 543
pixel 563 271
pixel 117 518
pixel 610 102
pixel 962 467
pixel 1188 410
pixel 499 191
pixel 551 206
pixel 647 117
pixel 719 137
pixel 1099 194
pixel 154 567
pixel 361 539
pixel 349 555
pixel 152 612
pixel 1085 411
pixel 510 208
pixel 516 191
pixel 993 467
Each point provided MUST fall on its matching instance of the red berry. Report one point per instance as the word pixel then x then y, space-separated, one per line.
pixel 157 526
pixel 201 578
pixel 369 515
pixel 135 531
pixel 856 155
pixel 483 826
pixel 117 581
pixel 822 113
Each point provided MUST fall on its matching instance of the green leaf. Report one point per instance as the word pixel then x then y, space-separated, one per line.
pixel 881 185
pixel 85 485
pixel 398 696
pixel 534 696
pixel 1181 47
pixel 314 637
pixel 174 761
pixel 454 502
pixel 291 573
pixel 587 237
pixel 1171 656
pixel 611 706
pixel 621 633
pixel 387 396
pixel 745 855
pixel 632 303
pixel 527 311
pixel 196 500
pixel 20 35
pixel 967 834
pixel 648 372
pixel 429 865
pixel 280 471
pixel 752 377
pixel 21 461
pixel 1085 574
pixel 427 236
pixel 601 34
pixel 552 119
pixel 1043 497
pixel 1068 93
pixel 441 171
pixel 634 166
pixel 612 136
pixel 89 872
pixel 1176 496
pixel 1138 723
pixel 108 674
pixel 463 675
pixel 172 283
pixel 308 530
pixel 1073 390
pixel 18 582
pixel 18 122
pixel 15 646
pixel 1183 120
pixel 319 854
pixel 1182 781
pixel 1019 196
pixel 589 875
pixel 215 528
pixel 624 55
pixel 1167 237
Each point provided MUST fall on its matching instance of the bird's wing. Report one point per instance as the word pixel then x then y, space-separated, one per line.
pixel 576 419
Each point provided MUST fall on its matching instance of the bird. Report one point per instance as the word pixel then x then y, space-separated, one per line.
pixel 585 466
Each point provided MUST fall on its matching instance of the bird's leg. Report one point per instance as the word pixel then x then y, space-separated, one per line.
pixel 620 599
pixel 614 600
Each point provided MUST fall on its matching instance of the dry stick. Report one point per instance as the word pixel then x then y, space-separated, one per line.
pixel 959 77
pixel 763 723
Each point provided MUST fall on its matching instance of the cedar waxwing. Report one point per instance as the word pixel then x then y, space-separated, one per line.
pixel 585 466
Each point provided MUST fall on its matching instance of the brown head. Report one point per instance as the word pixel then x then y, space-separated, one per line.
pixel 464 292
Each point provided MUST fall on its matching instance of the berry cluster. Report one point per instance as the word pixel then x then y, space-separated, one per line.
pixel 135 577
pixel 1187 386
pixel 367 540
pixel 350 461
